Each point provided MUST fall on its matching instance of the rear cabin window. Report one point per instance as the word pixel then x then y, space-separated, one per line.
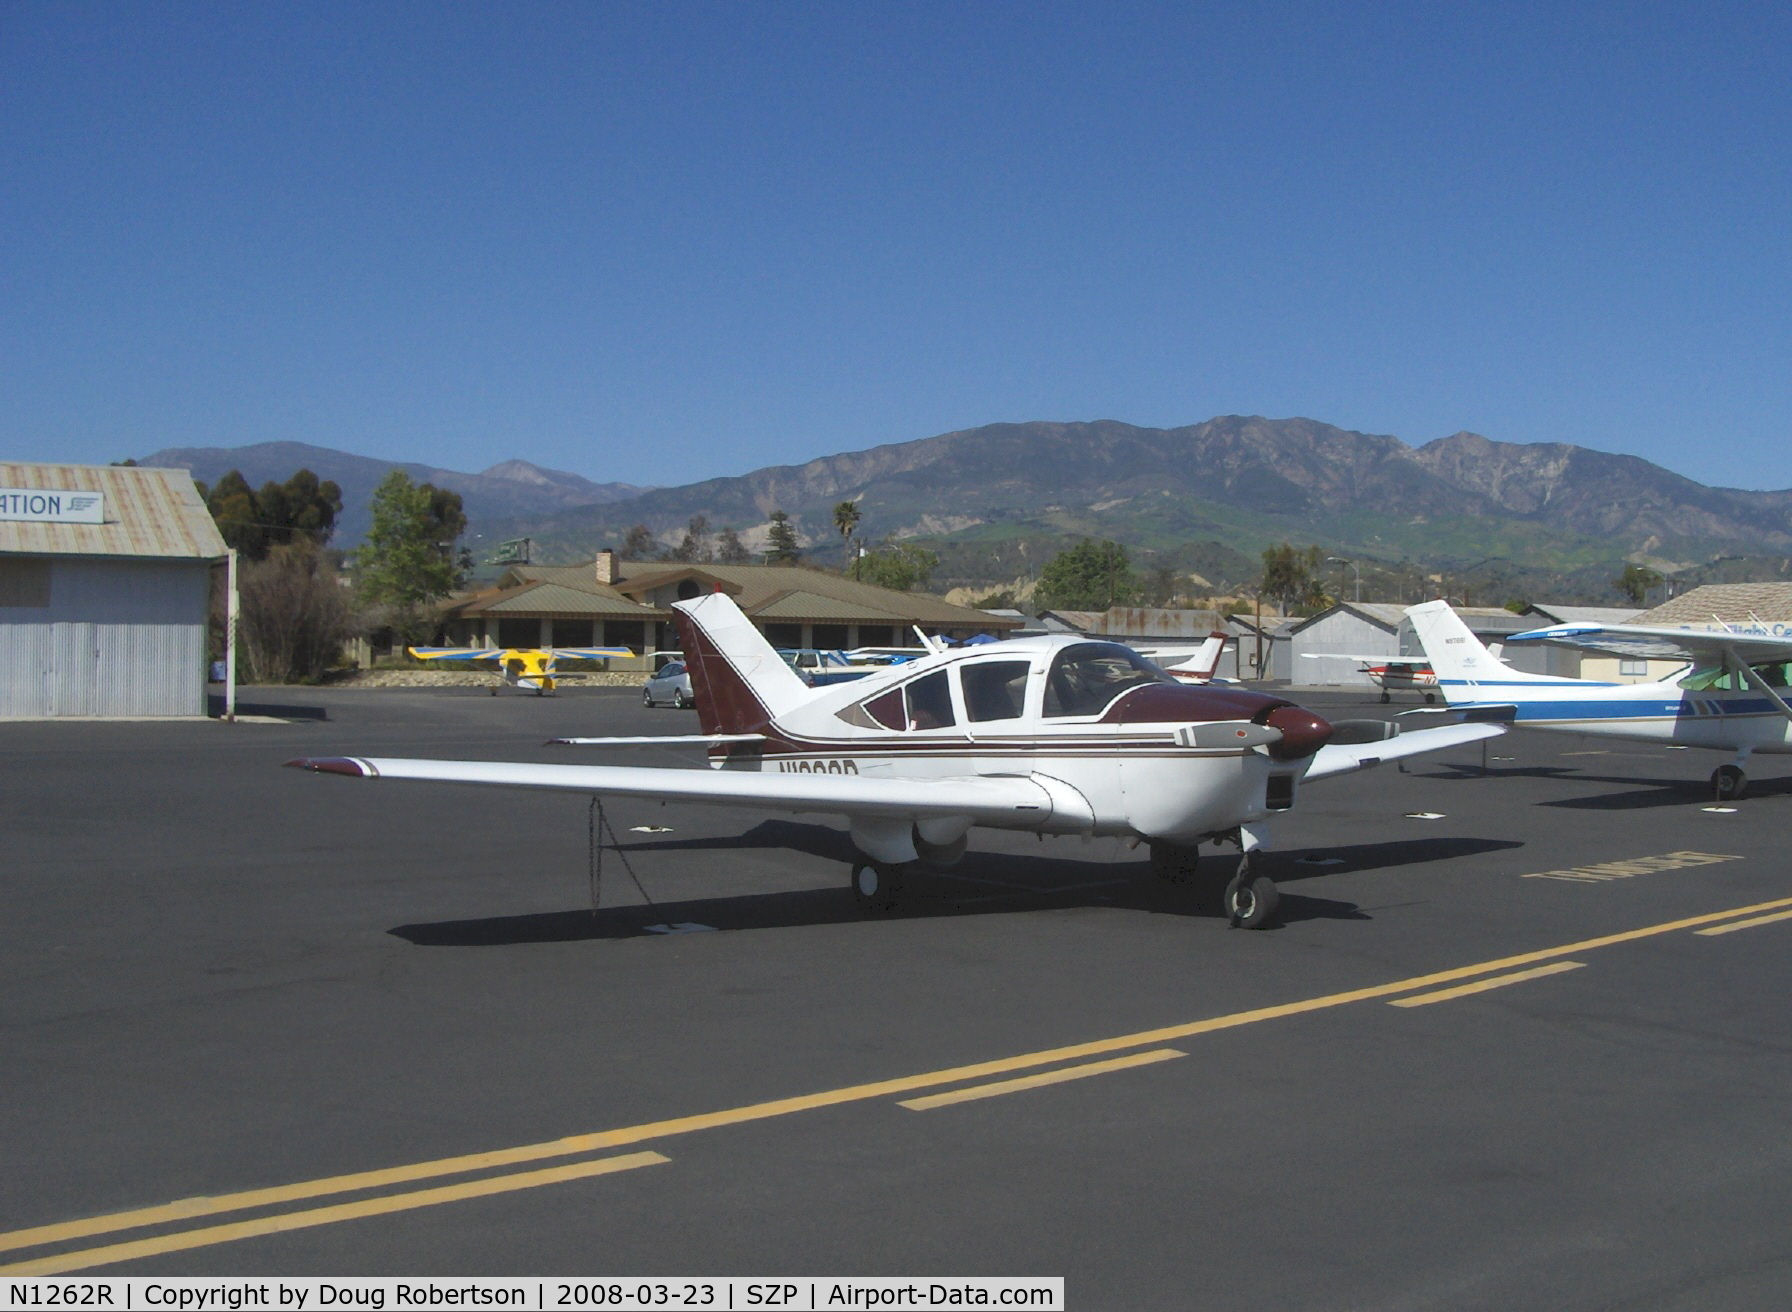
pixel 929 702
pixel 887 710
pixel 1085 679
pixel 994 690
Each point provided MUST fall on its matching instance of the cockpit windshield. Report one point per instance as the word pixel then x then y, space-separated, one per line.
pixel 1085 679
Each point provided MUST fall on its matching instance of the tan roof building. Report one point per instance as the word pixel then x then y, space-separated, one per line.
pixel 613 602
pixel 1714 604
pixel 105 591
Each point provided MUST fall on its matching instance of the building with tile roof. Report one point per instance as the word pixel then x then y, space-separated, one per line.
pixel 105 591
pixel 612 602
pixel 1712 605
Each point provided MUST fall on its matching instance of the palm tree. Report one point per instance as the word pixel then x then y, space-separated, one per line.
pixel 846 519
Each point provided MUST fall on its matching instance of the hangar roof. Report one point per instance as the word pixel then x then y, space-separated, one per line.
pixel 149 513
pixel 766 592
pixel 547 598
pixel 1733 603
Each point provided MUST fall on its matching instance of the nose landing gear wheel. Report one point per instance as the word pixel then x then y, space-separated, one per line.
pixel 1250 901
pixel 1728 783
pixel 877 888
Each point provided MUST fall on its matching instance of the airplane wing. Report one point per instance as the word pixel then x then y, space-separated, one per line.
pixel 456 653
pixel 1347 758
pixel 1664 643
pixel 982 800
pixel 588 653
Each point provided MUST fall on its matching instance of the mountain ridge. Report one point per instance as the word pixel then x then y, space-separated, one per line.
pixel 996 499
pixel 509 487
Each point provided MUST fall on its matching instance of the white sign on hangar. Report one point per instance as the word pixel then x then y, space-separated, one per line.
pixel 48 506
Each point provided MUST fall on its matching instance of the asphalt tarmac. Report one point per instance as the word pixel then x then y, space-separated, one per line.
pixel 377 1028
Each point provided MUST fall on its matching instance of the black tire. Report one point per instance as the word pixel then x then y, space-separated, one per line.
pixel 877 888
pixel 1430 698
pixel 1175 864
pixel 1384 697
pixel 1251 901
pixel 646 697
pixel 1728 783
pixel 682 702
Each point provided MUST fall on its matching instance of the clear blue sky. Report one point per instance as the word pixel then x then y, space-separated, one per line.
pixel 661 242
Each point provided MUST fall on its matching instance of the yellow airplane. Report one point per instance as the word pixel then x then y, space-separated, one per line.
pixel 522 667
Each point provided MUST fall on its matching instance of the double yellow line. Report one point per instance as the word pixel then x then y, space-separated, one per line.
pixel 584 1145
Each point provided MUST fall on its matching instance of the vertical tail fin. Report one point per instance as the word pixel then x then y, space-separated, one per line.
pixel 1457 655
pixel 739 681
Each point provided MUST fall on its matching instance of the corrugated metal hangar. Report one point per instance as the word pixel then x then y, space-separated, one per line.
pixel 105 590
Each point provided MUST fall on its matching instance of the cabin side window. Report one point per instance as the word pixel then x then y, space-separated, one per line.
pixel 994 690
pixel 930 702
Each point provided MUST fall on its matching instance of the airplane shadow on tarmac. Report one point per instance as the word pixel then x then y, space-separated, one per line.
pixel 1683 791
pixel 1638 793
pixel 984 883
pixel 215 709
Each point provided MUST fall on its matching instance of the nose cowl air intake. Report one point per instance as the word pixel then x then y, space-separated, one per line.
pixel 1303 732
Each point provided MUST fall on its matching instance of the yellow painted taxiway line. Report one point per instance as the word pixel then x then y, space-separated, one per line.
pixel 1746 924
pixel 578 1144
pixel 1483 985
pixel 276 1224
pixel 1061 1075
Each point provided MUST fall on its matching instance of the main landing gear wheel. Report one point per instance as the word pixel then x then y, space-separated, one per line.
pixel 1250 900
pixel 877 888
pixel 1174 863
pixel 1430 699
pixel 1384 697
pixel 1728 783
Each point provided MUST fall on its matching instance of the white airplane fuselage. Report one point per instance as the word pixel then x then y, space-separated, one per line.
pixel 1140 764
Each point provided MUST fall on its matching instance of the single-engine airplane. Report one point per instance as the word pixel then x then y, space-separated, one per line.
pixel 1390 673
pixel 532 668
pixel 1053 735
pixel 1732 700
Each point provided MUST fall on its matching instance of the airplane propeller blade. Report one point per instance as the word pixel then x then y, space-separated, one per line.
pixel 1348 733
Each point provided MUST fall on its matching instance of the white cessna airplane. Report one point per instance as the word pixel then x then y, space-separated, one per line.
pixel 1733 699
pixel 1055 735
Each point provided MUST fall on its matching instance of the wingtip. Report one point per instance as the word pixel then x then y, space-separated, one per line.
pixel 348 765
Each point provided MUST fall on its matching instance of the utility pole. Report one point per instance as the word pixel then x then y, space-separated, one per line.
pixel 1339 560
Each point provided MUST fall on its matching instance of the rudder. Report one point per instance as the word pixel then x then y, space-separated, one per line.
pixel 1456 655
pixel 738 679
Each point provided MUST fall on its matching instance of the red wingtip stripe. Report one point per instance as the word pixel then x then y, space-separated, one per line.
pixel 347 765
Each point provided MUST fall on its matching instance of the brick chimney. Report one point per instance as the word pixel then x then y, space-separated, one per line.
pixel 606 566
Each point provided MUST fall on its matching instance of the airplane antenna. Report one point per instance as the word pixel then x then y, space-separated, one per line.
pixel 933 645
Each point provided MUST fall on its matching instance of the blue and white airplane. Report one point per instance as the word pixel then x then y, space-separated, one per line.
pixel 1732 699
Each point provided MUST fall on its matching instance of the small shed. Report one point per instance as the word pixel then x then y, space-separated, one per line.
pixel 105 591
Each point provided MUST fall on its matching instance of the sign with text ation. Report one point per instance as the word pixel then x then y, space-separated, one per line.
pixel 46 506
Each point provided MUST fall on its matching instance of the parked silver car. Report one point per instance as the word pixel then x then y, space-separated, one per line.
pixel 670 686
